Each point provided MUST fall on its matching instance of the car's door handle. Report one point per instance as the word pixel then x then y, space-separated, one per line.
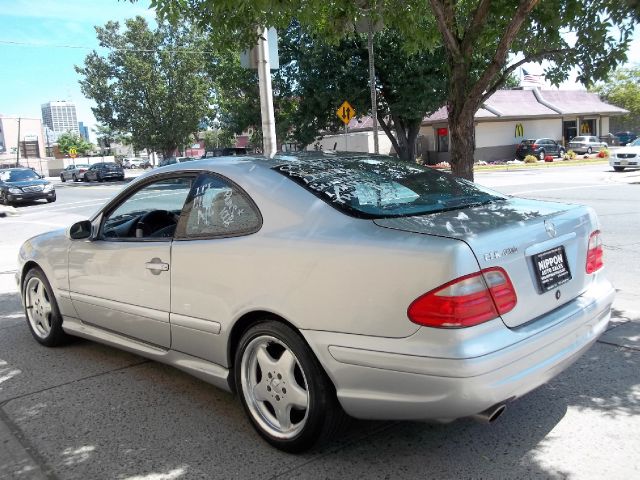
pixel 156 266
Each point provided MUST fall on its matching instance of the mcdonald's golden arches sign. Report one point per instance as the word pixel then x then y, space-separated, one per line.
pixel 519 130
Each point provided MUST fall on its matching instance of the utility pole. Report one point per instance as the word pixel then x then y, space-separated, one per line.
pixel 266 96
pixel 372 85
pixel 18 149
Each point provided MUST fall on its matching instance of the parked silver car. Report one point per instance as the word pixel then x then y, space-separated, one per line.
pixel 626 157
pixel 586 144
pixel 318 284
pixel 74 172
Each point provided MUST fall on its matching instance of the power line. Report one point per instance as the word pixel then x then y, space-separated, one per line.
pixel 82 47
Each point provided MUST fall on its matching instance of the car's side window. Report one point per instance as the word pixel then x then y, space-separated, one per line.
pixel 151 213
pixel 218 208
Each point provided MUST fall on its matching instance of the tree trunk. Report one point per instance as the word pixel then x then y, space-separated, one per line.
pixel 404 142
pixel 462 142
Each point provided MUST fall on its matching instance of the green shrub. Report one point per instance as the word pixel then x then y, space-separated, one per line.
pixel 570 155
pixel 530 159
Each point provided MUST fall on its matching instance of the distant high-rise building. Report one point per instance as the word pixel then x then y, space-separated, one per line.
pixel 84 131
pixel 60 117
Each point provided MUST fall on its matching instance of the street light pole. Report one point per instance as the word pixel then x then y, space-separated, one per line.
pixel 266 96
pixel 18 149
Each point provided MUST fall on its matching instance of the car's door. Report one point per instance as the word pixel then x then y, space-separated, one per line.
pixel 211 253
pixel 120 281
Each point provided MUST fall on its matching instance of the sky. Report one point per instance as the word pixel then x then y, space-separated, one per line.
pixel 38 73
pixel 42 71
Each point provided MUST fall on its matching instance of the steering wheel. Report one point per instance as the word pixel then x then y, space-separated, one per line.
pixel 155 220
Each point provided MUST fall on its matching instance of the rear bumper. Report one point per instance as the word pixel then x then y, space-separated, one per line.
pixel 426 377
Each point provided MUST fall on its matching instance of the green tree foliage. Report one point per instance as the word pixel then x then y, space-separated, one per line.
pixel 218 138
pixel 151 83
pixel 485 40
pixel 69 140
pixel 315 77
pixel 623 90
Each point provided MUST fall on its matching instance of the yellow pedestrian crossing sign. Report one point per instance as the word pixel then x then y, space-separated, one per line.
pixel 346 112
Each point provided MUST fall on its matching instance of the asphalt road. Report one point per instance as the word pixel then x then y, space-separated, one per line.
pixel 87 411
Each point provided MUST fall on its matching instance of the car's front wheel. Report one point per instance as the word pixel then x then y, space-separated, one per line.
pixel 75 177
pixel 541 155
pixel 62 178
pixel 284 390
pixel 561 153
pixel 41 310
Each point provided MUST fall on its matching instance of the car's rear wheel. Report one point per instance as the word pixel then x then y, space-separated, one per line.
pixel 589 150
pixel 41 310
pixel 99 178
pixel 541 155
pixel 284 390
pixel 618 169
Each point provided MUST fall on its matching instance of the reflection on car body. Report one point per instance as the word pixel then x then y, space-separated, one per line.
pixel 316 285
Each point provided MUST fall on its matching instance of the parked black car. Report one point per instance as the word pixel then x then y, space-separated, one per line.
pixel 225 152
pixel 24 185
pixel 540 147
pixel 626 137
pixel 104 171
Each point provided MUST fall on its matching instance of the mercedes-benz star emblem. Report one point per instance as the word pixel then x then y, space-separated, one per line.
pixel 550 228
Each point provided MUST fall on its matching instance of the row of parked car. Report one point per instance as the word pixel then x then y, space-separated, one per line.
pixel 542 147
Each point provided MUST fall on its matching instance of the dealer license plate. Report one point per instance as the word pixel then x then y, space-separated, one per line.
pixel 552 268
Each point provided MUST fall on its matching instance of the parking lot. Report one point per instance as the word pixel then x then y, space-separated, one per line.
pixel 87 411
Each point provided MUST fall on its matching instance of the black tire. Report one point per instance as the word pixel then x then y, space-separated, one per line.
pixel 323 415
pixel 589 150
pixel 619 169
pixel 51 200
pixel 56 335
pixel 541 155
pixel 74 177
pixel 561 153
pixel 62 178
pixel 99 178
pixel 3 200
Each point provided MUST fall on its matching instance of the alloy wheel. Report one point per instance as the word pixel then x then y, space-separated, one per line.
pixel 275 387
pixel 38 307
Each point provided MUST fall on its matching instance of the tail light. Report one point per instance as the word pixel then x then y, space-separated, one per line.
pixel 82 170
pixel 466 301
pixel 594 253
pixel 534 146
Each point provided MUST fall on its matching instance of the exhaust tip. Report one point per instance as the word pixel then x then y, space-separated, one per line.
pixel 491 414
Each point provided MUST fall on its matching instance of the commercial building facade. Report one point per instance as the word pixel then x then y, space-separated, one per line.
pixel 24 133
pixel 60 117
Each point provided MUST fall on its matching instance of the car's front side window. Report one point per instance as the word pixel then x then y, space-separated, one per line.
pixel 218 208
pixel 152 212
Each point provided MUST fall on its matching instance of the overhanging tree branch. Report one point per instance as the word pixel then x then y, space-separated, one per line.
pixel 498 60
pixel 512 68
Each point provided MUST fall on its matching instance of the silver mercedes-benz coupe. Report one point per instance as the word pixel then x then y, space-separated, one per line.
pixel 316 285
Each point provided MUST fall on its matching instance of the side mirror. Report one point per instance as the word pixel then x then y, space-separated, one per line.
pixel 80 230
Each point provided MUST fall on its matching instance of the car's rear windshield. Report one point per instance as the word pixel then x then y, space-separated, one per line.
pixel 528 142
pixel 579 139
pixel 18 175
pixel 384 187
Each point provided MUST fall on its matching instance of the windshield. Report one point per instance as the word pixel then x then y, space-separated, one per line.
pixel 636 143
pixel 18 175
pixel 578 139
pixel 384 187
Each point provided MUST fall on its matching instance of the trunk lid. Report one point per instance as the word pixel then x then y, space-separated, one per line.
pixel 535 242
